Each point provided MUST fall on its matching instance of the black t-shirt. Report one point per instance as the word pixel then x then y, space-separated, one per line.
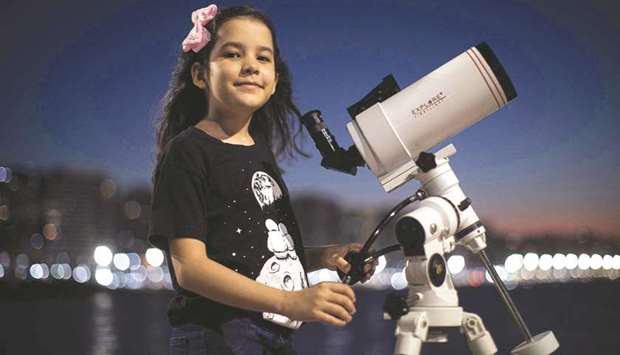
pixel 232 198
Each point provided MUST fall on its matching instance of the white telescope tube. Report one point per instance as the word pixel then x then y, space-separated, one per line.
pixel 391 134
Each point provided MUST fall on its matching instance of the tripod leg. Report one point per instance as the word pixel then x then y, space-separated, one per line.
pixel 411 331
pixel 479 340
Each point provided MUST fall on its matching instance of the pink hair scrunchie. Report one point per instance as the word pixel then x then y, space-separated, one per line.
pixel 198 37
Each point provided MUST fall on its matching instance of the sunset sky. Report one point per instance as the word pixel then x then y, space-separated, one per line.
pixel 82 81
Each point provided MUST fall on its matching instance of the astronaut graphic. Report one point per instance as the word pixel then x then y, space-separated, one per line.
pixel 283 270
pixel 266 189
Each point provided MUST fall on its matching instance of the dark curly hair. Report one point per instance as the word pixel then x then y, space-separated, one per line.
pixel 184 104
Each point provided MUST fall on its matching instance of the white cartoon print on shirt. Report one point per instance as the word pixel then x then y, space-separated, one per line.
pixel 283 270
pixel 266 189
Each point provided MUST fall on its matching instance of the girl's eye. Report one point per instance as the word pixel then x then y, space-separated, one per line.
pixel 264 59
pixel 231 55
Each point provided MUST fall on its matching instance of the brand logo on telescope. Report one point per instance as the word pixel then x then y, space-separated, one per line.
pixel 427 106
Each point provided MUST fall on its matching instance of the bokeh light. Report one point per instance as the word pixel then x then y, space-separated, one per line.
pixel 608 262
pixel 50 231
pixel 139 275
pixel 571 261
pixel 616 262
pixel 37 241
pixel 456 264
pixel 381 263
pixel 81 274
pixel 5 174
pixel 102 255
pixel 104 276
pixel 545 262
pixel 132 209
pixel 530 261
pixel 134 261
pixel 22 261
pixel 583 262
pixel 1 271
pixel 559 261
pixel 21 273
pixel 475 278
pixel 501 272
pixel 155 274
pixel 398 280
pixel 513 263
pixel 66 271
pixel 596 262
pixel 121 261
pixel 36 271
pixel 57 271
pixel 154 256
pixel 107 189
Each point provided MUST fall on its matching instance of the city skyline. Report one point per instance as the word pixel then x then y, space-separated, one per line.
pixel 84 92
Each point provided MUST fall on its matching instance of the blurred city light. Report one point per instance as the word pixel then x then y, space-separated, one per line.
pixel 155 274
pixel 104 276
pixel 134 261
pixel 398 281
pixel 132 209
pixel 121 261
pixel 61 271
pixel 559 261
pixel 583 262
pixel 22 261
pixel 513 262
pixel 501 271
pixel 1 271
pixel 102 255
pixel 5 175
pixel 456 264
pixel 36 271
pixel 50 231
pixel 530 261
pixel 475 278
pixel 81 274
pixel 37 241
pixel 596 262
pixel 608 261
pixel 381 263
pixel 21 272
pixel 154 257
pixel 107 188
pixel 571 261
pixel 545 262
pixel 140 274
pixel 616 262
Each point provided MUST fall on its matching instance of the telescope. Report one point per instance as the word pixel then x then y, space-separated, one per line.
pixel 392 131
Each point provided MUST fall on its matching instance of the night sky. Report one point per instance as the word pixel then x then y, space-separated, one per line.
pixel 81 83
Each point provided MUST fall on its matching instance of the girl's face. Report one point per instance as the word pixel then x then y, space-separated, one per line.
pixel 241 74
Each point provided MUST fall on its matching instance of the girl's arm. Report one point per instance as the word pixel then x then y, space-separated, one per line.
pixel 327 302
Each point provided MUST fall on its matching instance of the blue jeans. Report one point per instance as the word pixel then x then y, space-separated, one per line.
pixel 241 336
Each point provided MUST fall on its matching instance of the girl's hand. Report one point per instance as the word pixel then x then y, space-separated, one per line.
pixel 333 259
pixel 327 302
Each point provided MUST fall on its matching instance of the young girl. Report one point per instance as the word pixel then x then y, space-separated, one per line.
pixel 220 208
